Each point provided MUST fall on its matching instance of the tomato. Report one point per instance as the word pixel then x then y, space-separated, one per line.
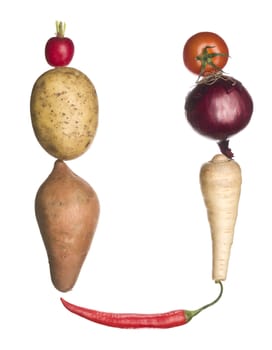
pixel 59 50
pixel 205 53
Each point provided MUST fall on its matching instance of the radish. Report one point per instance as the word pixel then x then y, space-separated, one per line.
pixel 220 181
pixel 59 50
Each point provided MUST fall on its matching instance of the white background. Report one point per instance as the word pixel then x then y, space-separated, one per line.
pixel 152 248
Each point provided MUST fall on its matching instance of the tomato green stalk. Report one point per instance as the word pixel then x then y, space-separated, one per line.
pixel 133 320
pixel 206 58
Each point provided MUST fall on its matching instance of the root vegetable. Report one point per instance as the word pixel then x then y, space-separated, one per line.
pixel 67 211
pixel 59 49
pixel 220 181
pixel 64 112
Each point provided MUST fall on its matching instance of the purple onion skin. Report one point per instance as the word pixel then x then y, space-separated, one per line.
pixel 219 109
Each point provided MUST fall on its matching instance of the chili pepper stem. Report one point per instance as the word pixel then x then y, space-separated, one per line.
pixel 192 313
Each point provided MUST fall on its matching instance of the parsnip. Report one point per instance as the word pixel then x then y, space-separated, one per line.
pixel 220 181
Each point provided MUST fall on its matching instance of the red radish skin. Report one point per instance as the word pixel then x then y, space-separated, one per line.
pixel 59 50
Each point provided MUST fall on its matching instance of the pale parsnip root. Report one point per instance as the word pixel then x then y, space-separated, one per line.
pixel 220 181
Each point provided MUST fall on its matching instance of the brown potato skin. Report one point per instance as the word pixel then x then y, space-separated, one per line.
pixel 64 112
pixel 67 210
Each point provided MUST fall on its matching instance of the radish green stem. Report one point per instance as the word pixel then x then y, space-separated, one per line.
pixel 60 27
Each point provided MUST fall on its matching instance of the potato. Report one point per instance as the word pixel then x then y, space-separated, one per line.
pixel 67 211
pixel 64 112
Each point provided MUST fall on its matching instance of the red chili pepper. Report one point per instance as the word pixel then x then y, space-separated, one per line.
pixel 133 320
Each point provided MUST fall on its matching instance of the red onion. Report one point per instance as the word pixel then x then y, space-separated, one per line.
pixel 218 108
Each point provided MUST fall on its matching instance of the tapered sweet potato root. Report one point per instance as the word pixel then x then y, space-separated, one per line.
pixel 67 211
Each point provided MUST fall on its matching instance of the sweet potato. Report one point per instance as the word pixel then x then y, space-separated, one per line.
pixel 67 211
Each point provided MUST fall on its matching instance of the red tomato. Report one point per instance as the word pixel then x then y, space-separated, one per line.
pixel 205 53
pixel 59 50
